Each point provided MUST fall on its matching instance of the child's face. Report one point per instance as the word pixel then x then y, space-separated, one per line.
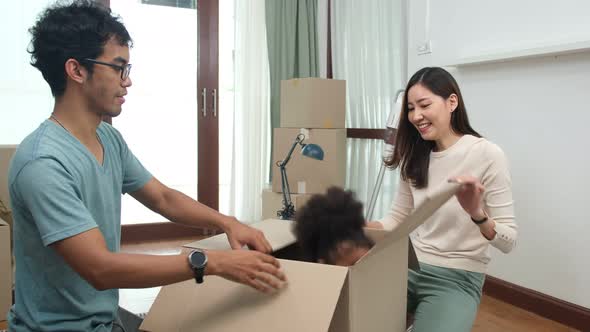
pixel 353 256
pixel 348 253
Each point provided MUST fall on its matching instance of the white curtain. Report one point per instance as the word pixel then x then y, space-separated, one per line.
pixel 322 30
pixel 251 135
pixel 367 52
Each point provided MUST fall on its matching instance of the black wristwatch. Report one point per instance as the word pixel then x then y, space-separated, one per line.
pixel 479 222
pixel 197 260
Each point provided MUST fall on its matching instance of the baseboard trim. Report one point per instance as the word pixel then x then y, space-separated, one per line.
pixel 541 304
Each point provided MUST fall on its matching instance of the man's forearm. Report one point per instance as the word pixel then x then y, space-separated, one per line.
pixel 182 209
pixel 120 270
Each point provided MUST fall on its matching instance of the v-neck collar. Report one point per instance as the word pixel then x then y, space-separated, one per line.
pixel 84 147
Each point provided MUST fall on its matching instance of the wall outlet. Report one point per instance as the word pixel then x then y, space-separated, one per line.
pixel 424 48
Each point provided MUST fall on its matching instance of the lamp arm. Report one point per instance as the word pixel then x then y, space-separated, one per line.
pixel 286 190
pixel 298 140
pixel 288 209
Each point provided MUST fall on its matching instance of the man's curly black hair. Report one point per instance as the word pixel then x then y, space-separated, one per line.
pixel 78 30
pixel 328 220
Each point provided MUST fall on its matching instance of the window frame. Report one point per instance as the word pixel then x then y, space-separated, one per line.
pixel 208 129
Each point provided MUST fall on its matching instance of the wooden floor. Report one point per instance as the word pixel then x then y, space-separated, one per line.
pixel 493 315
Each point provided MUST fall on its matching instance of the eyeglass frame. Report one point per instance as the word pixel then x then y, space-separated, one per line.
pixel 122 68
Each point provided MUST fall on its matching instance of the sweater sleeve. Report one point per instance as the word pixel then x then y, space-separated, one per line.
pixel 498 200
pixel 401 207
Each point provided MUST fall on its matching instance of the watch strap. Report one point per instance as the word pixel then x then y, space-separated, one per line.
pixel 480 221
pixel 198 271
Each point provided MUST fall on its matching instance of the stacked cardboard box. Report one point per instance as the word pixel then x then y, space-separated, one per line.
pixel 316 108
pixel 6 153
pixel 6 266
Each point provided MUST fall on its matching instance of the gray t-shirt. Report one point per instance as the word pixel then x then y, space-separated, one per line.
pixel 58 189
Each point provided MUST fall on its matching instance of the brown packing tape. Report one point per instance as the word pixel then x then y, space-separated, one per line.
pixel 328 123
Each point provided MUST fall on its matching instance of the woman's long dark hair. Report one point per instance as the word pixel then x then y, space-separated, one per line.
pixel 412 153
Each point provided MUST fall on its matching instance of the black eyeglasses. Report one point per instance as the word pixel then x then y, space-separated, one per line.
pixel 124 69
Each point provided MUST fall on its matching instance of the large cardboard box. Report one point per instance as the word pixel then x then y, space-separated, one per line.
pixel 6 268
pixel 6 153
pixel 306 175
pixel 368 296
pixel 273 202
pixel 313 103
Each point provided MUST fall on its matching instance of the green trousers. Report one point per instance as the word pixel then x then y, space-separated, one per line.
pixel 443 299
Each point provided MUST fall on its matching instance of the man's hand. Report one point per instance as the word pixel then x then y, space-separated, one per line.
pixel 240 235
pixel 255 269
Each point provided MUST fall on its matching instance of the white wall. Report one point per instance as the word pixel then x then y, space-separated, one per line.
pixel 158 88
pixel 26 98
pixel 537 110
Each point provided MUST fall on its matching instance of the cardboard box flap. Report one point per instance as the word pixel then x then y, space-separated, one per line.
pixel 382 305
pixel 278 233
pixel 219 305
pixel 434 200
pixel 375 234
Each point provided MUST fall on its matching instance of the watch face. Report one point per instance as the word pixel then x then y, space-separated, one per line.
pixel 198 259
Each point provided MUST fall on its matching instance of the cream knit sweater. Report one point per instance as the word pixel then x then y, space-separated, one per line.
pixel 449 238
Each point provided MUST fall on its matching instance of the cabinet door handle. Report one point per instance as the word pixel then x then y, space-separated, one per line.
pixel 214 94
pixel 204 96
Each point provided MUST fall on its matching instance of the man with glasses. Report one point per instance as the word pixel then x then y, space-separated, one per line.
pixel 66 181
pixel 124 69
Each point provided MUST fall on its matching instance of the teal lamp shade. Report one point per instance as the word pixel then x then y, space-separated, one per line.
pixel 313 151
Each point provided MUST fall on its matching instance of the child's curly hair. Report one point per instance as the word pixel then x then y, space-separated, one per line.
pixel 327 221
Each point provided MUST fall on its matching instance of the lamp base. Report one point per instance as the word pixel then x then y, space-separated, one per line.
pixel 287 213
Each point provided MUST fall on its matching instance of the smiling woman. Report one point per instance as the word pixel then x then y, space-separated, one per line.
pixel 435 144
